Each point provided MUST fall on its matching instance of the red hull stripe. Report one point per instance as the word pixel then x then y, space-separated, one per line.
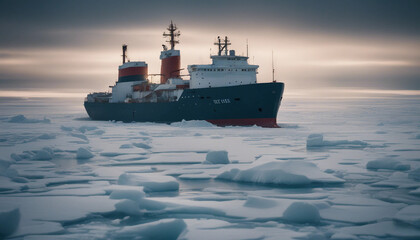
pixel 132 71
pixel 262 122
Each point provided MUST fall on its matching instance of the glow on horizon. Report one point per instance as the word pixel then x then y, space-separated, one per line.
pixel 303 60
pixel 305 93
pixel 41 94
pixel 364 63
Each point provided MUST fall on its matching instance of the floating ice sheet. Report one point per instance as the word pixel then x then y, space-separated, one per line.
pixel 292 173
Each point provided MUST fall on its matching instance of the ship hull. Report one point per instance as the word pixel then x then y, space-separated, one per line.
pixel 244 105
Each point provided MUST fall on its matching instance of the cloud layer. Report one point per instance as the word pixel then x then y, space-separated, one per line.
pixel 316 44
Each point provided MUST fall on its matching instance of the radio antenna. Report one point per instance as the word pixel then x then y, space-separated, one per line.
pixel 247 47
pixel 173 34
pixel 272 63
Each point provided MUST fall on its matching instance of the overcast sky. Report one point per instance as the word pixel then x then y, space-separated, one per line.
pixel 75 46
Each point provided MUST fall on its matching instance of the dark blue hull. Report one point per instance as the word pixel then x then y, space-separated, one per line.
pixel 254 104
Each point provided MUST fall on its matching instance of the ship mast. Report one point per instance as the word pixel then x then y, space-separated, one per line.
pixel 172 34
pixel 223 46
pixel 124 55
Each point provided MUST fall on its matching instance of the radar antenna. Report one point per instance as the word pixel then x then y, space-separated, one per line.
pixel 172 34
pixel 222 46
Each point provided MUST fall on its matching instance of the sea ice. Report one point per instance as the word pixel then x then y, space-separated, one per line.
pixel 415 192
pixel 9 220
pixel 67 129
pixel 192 123
pixel 44 154
pixel 128 207
pixel 79 135
pixel 83 153
pixel 23 119
pixel 36 228
pixel 387 163
pixel 301 212
pixel 210 229
pixel 132 194
pixel 195 176
pixel 64 198
pixel 317 140
pixel 47 136
pixel 383 229
pixel 142 145
pixel 358 214
pixel 151 182
pixel 397 180
pixel 259 202
pixel 343 236
pixel 410 215
pixel 415 174
pixel 6 184
pixel 84 129
pixel 282 173
pixel 217 157
pixel 4 165
pixel 162 229
pixel 124 146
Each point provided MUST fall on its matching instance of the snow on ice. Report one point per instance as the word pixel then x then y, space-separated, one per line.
pixel 317 140
pixel 387 163
pixel 217 157
pixel 301 212
pixel 150 182
pixel 83 153
pixel 63 176
pixel 23 119
pixel 293 173
pixel 9 220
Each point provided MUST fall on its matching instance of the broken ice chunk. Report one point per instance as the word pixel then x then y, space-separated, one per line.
pixel 281 173
pixel 301 212
pixel 150 182
pixel 217 157
pixel 387 163
pixel 9 220
pixel 83 153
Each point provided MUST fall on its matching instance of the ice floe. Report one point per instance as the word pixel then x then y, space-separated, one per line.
pixel 23 119
pixel 217 157
pixel 410 215
pixel 192 123
pixel 387 163
pixel 259 202
pixel 162 229
pixel 317 140
pixel 9 220
pixel 83 153
pixel 358 214
pixel 142 145
pixel 383 229
pixel 281 184
pixel 150 182
pixel 301 212
pixel 44 154
pixel 47 136
pixel 293 173
pixel 79 135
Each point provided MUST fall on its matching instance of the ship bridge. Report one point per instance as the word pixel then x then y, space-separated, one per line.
pixel 225 70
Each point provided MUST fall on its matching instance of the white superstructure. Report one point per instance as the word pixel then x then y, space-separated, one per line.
pixel 225 70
